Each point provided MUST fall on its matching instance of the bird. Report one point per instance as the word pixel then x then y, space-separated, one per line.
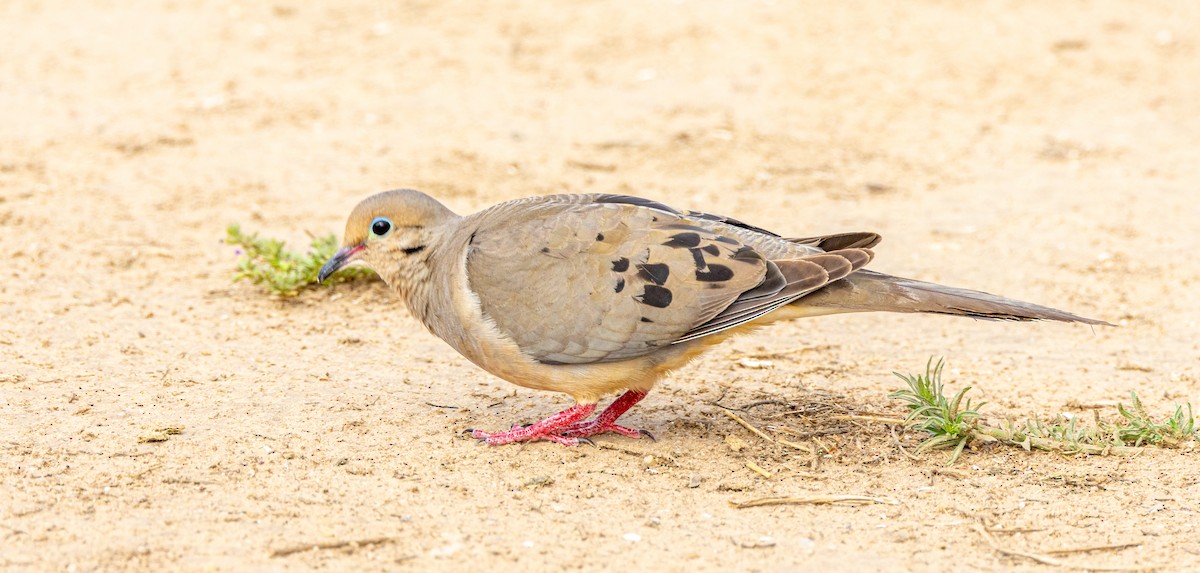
pixel 595 294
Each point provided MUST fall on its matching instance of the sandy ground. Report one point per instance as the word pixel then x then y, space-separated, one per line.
pixel 1046 151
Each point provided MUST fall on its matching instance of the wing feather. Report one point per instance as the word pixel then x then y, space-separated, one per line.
pixel 574 282
pixel 576 279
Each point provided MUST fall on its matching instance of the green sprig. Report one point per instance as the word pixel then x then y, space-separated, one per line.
pixel 955 422
pixel 284 273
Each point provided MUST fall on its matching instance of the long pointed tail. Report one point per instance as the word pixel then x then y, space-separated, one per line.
pixel 871 291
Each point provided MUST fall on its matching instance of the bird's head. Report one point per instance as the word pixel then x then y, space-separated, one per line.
pixel 388 231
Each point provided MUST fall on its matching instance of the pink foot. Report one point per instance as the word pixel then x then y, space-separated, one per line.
pixel 606 421
pixel 549 429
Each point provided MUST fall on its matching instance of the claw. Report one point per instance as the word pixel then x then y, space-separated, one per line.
pixel 479 435
pixel 648 435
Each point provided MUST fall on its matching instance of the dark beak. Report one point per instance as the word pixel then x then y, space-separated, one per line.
pixel 343 257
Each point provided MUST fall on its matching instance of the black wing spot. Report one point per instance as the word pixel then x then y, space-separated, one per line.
pixel 620 285
pixel 683 240
pixel 644 319
pixel 726 240
pixel 599 236
pixel 711 249
pixel 620 265
pixel 698 258
pixel 656 273
pixel 545 249
pixel 715 273
pixel 655 296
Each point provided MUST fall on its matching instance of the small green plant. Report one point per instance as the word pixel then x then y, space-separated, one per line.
pixel 948 421
pixel 1140 428
pixel 955 422
pixel 284 273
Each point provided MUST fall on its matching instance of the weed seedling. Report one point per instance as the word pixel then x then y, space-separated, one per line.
pixel 955 422
pixel 284 273
pixel 1140 428
pixel 948 421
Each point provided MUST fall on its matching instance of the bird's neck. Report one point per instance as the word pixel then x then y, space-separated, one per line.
pixel 426 284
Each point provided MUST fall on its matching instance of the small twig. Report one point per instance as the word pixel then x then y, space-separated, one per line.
pixel 624 450
pixel 1116 547
pixel 815 500
pixel 807 410
pixel 1047 560
pixel 806 435
pixel 1102 404
pixel 759 470
pixel 717 401
pixel 762 403
pixel 747 425
pixel 330 545
pixel 440 406
pixel 869 418
pixel 1015 530
pixel 995 545
pixel 607 446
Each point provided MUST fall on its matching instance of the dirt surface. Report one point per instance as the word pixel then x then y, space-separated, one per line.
pixel 1046 151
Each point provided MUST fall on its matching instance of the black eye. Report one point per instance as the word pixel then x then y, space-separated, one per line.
pixel 381 226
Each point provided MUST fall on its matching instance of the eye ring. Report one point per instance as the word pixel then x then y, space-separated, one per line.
pixel 381 226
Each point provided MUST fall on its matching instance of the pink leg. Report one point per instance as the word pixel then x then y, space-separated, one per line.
pixel 549 429
pixel 606 421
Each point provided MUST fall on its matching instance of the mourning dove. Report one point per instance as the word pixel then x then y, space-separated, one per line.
pixel 594 294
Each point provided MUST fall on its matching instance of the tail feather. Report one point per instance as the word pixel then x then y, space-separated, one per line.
pixel 871 291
